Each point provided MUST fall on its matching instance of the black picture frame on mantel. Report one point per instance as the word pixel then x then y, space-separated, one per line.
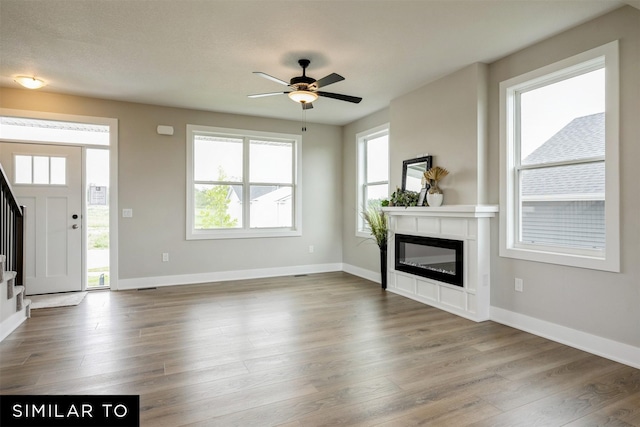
pixel 422 196
pixel 412 172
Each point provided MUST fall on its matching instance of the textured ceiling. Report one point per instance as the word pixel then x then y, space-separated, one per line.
pixel 201 54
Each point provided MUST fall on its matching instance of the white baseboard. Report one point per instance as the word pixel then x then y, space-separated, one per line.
pixel 11 323
pixel 223 276
pixel 361 272
pixel 614 350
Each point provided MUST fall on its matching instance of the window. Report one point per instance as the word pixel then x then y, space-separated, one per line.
pixel 559 160
pixel 56 131
pixel 373 172
pixel 40 170
pixel 242 184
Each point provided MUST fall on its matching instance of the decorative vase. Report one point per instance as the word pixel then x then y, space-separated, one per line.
pixel 383 266
pixel 434 195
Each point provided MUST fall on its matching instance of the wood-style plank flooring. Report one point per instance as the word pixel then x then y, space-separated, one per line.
pixel 319 350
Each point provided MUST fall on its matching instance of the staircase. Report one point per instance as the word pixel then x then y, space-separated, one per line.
pixel 14 307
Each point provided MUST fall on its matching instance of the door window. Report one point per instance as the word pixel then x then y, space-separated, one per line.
pixel 40 170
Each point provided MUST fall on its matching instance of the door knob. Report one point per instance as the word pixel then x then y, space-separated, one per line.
pixel 74 226
pixel 74 216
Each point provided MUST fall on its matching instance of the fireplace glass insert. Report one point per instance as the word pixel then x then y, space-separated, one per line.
pixel 438 259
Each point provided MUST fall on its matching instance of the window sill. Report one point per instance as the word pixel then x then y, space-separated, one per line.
pixel 241 234
pixel 602 263
pixel 364 234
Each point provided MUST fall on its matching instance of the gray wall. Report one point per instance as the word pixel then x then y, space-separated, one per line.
pixel 445 119
pixel 152 181
pixel 597 302
pixel 357 252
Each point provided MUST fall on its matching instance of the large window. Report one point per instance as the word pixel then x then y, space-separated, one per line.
pixel 559 155
pixel 242 183
pixel 373 172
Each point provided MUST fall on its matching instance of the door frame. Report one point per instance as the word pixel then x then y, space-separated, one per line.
pixel 43 276
pixel 113 176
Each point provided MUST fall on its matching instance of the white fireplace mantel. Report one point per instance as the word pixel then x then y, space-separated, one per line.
pixel 467 223
pixel 447 210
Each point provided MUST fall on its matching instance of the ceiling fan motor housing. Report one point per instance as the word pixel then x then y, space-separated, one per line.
pixel 302 82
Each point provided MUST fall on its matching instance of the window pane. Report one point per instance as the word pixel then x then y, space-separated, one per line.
pixel 40 170
pixel 568 182
pixel 375 194
pixel 271 162
pixel 564 206
pixel 271 206
pixel 564 121
pixel 98 167
pixel 58 170
pixel 576 224
pixel 39 130
pixel 23 170
pixel 378 159
pixel 218 206
pixel 217 159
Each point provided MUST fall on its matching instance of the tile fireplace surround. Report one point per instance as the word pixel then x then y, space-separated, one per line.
pixel 467 223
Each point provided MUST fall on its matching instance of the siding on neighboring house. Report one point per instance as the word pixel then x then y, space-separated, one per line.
pixel 564 205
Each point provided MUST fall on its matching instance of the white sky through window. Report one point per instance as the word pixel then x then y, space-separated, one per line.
pixel 546 110
pixel 378 159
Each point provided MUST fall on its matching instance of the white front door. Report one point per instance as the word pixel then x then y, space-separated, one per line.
pixel 47 180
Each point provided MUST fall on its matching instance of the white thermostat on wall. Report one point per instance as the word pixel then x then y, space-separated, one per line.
pixel 165 130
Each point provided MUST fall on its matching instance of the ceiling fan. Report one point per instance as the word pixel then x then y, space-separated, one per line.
pixel 305 89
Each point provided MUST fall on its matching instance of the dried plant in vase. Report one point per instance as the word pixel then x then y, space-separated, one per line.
pixel 433 177
pixel 378 224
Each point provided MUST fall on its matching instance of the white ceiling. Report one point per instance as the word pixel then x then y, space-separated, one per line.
pixel 201 54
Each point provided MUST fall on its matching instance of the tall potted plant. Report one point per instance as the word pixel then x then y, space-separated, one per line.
pixel 377 222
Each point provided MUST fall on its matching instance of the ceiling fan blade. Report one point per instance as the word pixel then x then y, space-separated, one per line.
pixel 327 80
pixel 260 95
pixel 273 79
pixel 347 98
pixel 307 106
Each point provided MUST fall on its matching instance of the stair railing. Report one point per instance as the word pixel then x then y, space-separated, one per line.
pixel 11 229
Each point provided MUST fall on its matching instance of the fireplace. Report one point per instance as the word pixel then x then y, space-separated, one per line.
pixel 463 234
pixel 430 257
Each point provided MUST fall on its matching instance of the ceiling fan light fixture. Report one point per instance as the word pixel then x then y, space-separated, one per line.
pixel 303 96
pixel 29 82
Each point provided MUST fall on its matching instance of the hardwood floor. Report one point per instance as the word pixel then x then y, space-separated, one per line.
pixel 319 350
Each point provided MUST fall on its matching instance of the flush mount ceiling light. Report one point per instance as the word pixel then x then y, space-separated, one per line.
pixel 303 96
pixel 29 82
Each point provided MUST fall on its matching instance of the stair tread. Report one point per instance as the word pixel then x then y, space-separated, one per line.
pixel 18 290
pixel 8 275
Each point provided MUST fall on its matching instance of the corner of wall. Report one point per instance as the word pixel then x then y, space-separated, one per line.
pixel 483 133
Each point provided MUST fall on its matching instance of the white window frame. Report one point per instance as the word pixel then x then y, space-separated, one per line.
pixel 361 175
pixel 244 231
pixel 609 258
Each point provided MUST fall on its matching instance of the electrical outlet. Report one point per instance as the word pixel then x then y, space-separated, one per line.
pixel 127 213
pixel 311 249
pixel 519 284
pixel 165 257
